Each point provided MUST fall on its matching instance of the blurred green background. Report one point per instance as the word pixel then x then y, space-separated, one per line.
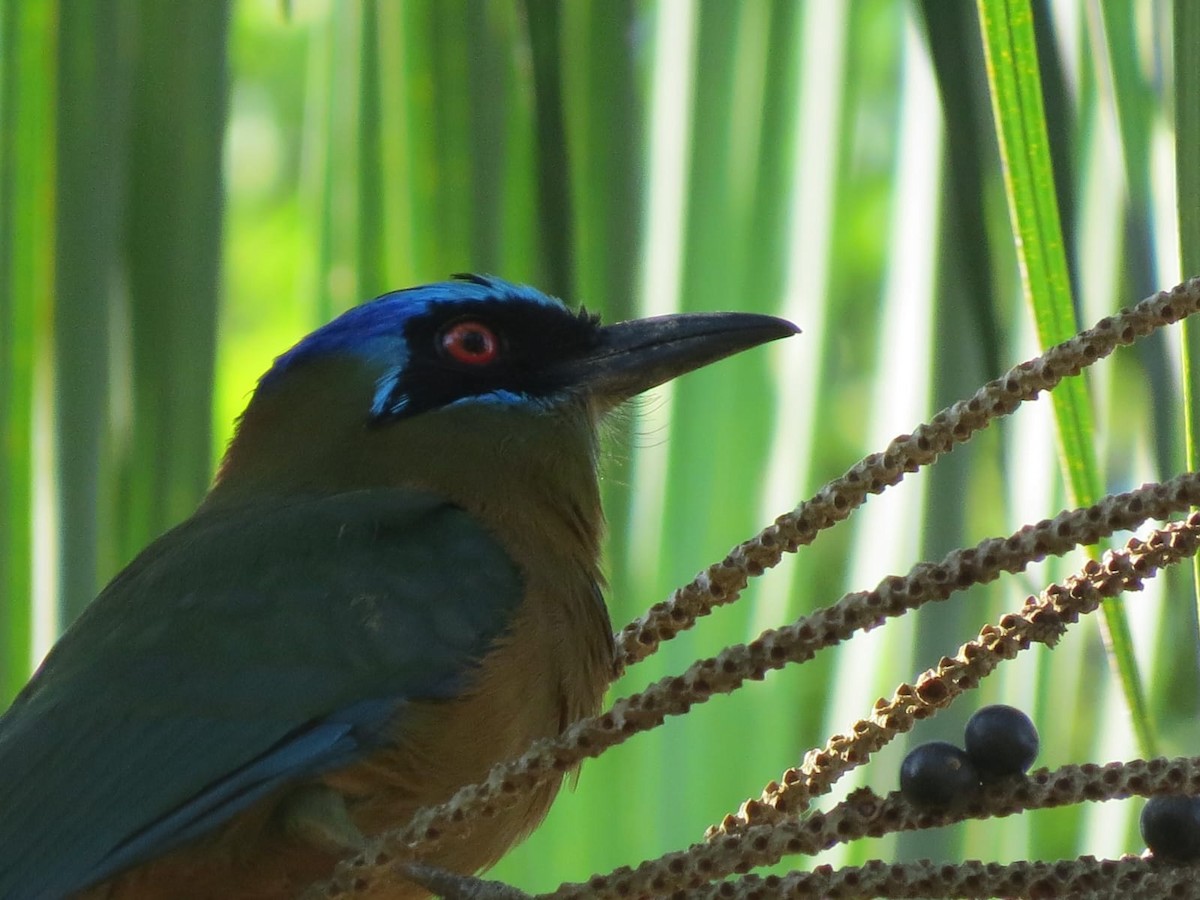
pixel 186 189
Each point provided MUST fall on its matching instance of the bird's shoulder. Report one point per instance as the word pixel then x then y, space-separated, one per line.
pixel 268 577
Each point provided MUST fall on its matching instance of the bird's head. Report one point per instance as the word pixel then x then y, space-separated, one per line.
pixel 459 381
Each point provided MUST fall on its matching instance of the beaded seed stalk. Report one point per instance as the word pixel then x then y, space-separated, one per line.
pixel 782 822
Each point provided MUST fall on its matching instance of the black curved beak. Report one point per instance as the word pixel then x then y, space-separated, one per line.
pixel 640 354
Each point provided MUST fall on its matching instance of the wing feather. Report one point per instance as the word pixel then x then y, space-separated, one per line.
pixel 243 650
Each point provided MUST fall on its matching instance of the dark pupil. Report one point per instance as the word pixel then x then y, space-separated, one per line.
pixel 473 342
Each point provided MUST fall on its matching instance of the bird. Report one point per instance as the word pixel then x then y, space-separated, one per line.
pixel 392 584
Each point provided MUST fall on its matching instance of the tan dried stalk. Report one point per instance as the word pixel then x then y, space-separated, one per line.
pixel 1040 621
pixel 773 833
pixel 1085 878
pixel 865 814
pixel 723 582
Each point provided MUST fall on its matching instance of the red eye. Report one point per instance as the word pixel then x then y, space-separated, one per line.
pixel 471 342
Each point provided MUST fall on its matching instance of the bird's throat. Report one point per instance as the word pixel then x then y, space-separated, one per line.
pixel 527 473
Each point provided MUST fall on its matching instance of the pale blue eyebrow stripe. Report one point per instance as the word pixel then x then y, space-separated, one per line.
pixel 376 328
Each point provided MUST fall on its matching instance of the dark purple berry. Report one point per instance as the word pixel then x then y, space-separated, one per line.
pixel 1001 741
pixel 937 775
pixel 1171 827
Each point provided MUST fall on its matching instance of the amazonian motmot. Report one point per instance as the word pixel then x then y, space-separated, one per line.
pixel 392 585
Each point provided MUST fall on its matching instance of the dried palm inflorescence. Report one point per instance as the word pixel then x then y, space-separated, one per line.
pixel 779 823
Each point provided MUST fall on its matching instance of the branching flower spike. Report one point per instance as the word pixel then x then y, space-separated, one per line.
pixel 779 822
